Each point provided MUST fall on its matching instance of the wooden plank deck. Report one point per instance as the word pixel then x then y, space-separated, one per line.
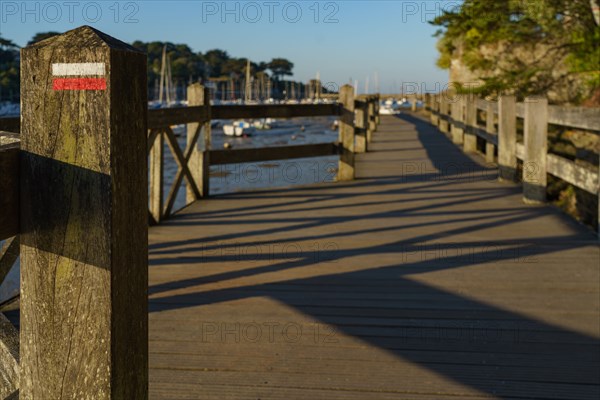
pixel 424 278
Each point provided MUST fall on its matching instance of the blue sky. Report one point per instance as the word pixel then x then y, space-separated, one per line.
pixel 343 40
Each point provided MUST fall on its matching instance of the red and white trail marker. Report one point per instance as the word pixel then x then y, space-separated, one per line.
pixel 78 76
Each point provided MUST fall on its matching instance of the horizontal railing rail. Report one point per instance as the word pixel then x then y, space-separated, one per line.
pixel 456 115
pixel 259 154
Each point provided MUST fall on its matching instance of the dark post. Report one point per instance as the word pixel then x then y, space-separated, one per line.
pixel 346 134
pixel 84 226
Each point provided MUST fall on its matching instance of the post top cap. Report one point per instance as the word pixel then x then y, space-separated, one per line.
pixel 85 37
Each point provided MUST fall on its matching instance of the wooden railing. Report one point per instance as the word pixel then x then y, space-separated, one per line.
pixel 456 115
pixel 194 164
pixel 73 205
pixel 358 119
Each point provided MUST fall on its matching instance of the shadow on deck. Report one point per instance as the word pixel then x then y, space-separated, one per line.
pixel 424 278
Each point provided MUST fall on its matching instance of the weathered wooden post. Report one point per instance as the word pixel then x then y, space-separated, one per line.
pixel 433 117
pixel 346 134
pixel 361 126
pixel 157 164
pixel 377 104
pixel 470 138
pixel 490 128
pixel 84 226
pixel 457 131
pixel 536 149
pixel 413 104
pixel 371 119
pixel 507 137
pixel 443 119
pixel 199 163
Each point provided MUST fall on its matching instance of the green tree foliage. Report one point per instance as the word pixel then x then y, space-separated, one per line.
pixel 9 70
pixel 524 46
pixel 280 67
pixel 186 65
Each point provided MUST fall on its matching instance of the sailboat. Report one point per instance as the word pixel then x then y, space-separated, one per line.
pixel 166 89
pixel 241 127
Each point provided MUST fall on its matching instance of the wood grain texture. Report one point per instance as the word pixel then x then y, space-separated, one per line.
pixel 274 111
pixel 9 358
pixel 507 137
pixel 361 115
pixel 371 119
pixel 470 138
pixel 575 117
pixel 156 163
pixel 235 156
pixel 207 145
pixel 183 170
pixel 438 283
pixel 457 113
pixel 490 127
pixel 163 117
pixel 9 185
pixel 444 109
pixel 569 171
pixel 9 252
pixel 346 134
pixel 535 141
pixel 84 226
pixel 195 97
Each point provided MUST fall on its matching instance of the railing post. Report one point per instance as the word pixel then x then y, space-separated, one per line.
pixel 443 118
pixel 457 131
pixel 346 134
pixel 198 95
pixel 372 126
pixel 207 139
pixel 413 104
pixel 433 117
pixel 377 117
pixel 361 127
pixel 84 225
pixel 536 149
pixel 507 137
pixel 470 138
pixel 157 164
pixel 490 128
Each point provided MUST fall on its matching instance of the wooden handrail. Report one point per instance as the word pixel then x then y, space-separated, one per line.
pixel 160 122
pixel 258 154
pixel 537 116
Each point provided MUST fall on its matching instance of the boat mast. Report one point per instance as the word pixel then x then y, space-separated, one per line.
pixel 162 74
pixel 248 91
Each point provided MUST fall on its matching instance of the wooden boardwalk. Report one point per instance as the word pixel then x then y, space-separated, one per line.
pixel 425 278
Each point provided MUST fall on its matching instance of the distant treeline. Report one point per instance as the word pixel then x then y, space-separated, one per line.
pixel 187 66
